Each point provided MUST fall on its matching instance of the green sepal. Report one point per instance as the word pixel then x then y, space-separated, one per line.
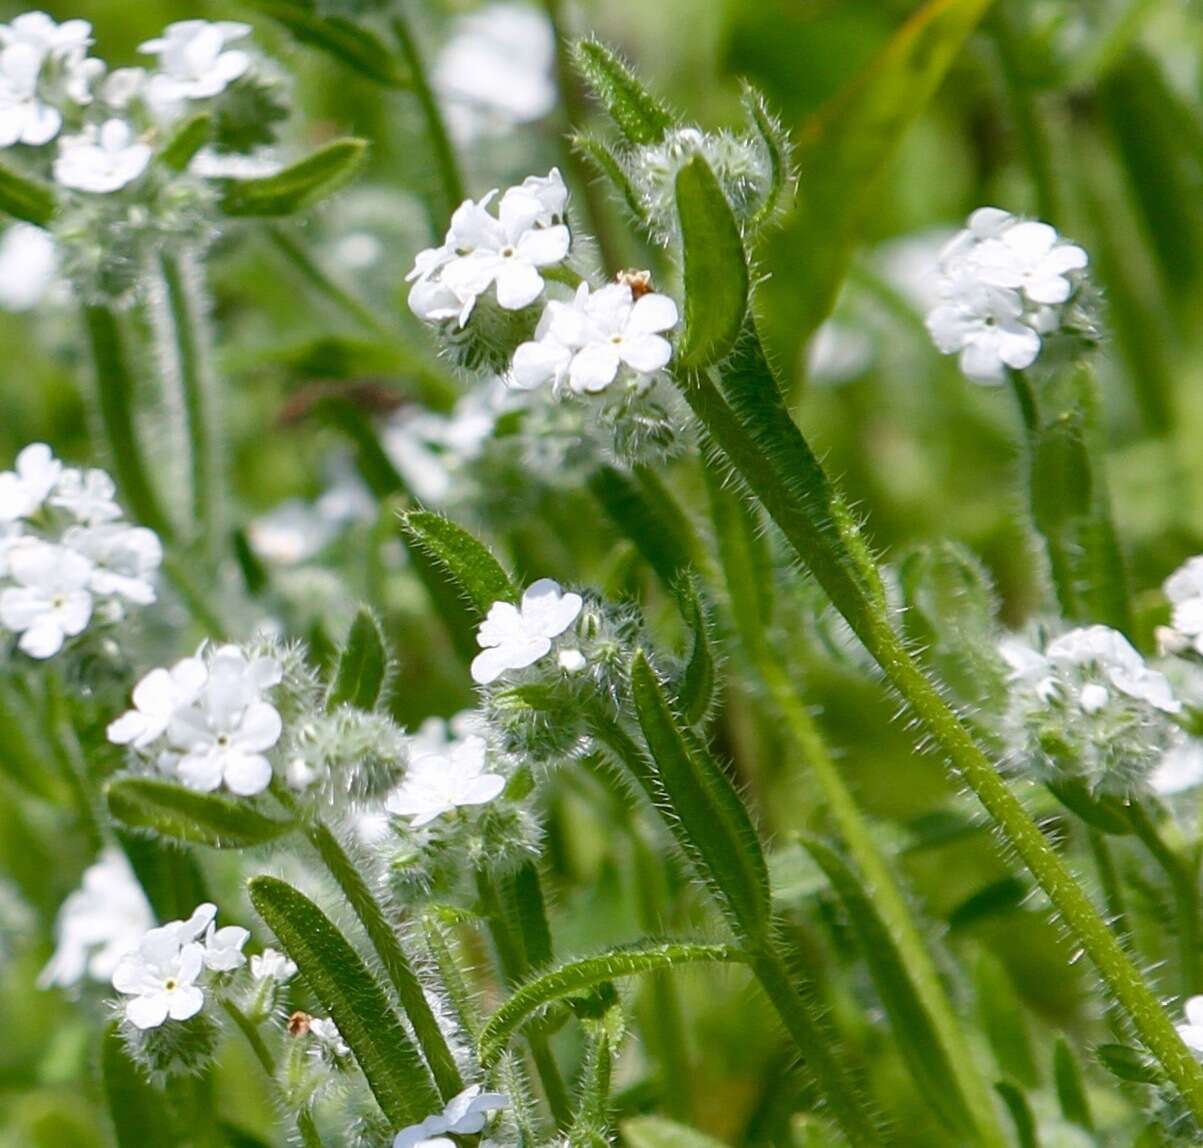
pixel 298 187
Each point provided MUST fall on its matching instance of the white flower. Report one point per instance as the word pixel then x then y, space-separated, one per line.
pixel 1112 653
pixel 160 977
pixel 23 490
pixel 464 1115
pixel 26 45
pixel 157 698
pixel 28 267
pixel 1192 1032
pixel 587 341
pixel 124 559
pixel 225 732
pixel 99 923
pixel 572 661
pixel 1184 589
pixel 1003 282
pixel 51 601
pixel 328 1036
pixel 514 637
pixel 497 70
pixel 101 159
pixel 88 494
pixel 481 251
pixel 1180 769
pixel 290 533
pixel 272 965
pixel 223 947
pixel 194 63
pixel 443 782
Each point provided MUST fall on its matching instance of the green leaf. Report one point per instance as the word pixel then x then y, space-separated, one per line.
pixel 168 874
pixel 914 1031
pixel 359 48
pixel 998 898
pixel 776 144
pixel 26 198
pixel 716 269
pixel 296 187
pixel 577 977
pixel 844 151
pixel 637 114
pixel 337 976
pixel 192 135
pixel 463 561
pixel 1099 810
pixel 526 915
pixel 362 666
pixel 610 167
pixel 1021 1113
pixel 1127 1063
pixel 660 1132
pixel 698 683
pixel 1071 1091
pixel 1003 1019
pixel 185 815
pixel 140 1113
pixel 708 817
pixel 654 533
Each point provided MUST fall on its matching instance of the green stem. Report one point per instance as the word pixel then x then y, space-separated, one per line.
pixel 759 441
pixel 73 763
pixel 203 612
pixel 115 401
pixel 1183 880
pixel 436 127
pixel 388 948
pixel 188 339
pixel 1113 893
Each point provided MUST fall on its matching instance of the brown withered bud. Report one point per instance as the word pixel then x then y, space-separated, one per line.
pixel 640 282
pixel 298 1023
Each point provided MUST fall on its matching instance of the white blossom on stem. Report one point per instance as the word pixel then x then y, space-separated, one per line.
pixel 465 1114
pixel 329 1039
pixel 514 637
pixel 24 489
pixel 160 978
pixel 27 44
pixel 51 600
pixel 272 965
pixel 101 159
pixel 194 62
pixel 124 559
pixel 438 783
pixel 157 698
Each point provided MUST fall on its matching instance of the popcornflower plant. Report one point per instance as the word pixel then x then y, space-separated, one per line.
pixel 484 646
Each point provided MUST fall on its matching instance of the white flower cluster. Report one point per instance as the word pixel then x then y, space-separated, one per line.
pixel 48 81
pixel 445 780
pixel 1184 589
pixel 514 637
pixel 205 720
pixel 1004 284
pixel 507 251
pixel 1088 706
pixel 66 554
pixel 98 924
pixel 464 1115
pixel 161 976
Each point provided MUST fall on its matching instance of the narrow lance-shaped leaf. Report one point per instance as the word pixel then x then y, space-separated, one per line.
pixel 654 534
pixel 362 666
pixel 26 198
pixel 698 682
pixel 716 269
pixel 354 999
pixel 660 1132
pixel 185 815
pixel 914 1031
pixel 579 976
pixel 708 816
pixel 637 114
pixel 192 135
pixel 297 187
pixel 465 562
pixel 351 44
pixel 1071 1090
pixel 1021 1113
pixel 607 163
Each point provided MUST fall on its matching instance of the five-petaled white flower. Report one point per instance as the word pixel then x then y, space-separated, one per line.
pixel 1184 589
pixel 99 923
pixel 272 965
pixel 101 159
pixel 157 698
pixel 90 495
pixel 514 637
pixel 124 559
pixel 441 782
pixel 1002 285
pixel 194 62
pixel 1192 1031
pixel 465 1115
pixel 24 489
pixel 26 45
pixel 223 735
pixel 51 601
pixel 160 978
pixel 481 250
pixel 587 341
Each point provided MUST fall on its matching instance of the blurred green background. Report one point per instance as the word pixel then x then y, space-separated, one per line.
pixel 1089 115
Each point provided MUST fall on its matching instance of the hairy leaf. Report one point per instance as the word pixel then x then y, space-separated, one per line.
pixel 716 269
pixel 354 999
pixel 185 815
pixel 297 187
pixel 351 44
pixel 698 683
pixel 362 666
pixel 577 977
pixel 637 114
pixel 655 534
pixel 466 563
